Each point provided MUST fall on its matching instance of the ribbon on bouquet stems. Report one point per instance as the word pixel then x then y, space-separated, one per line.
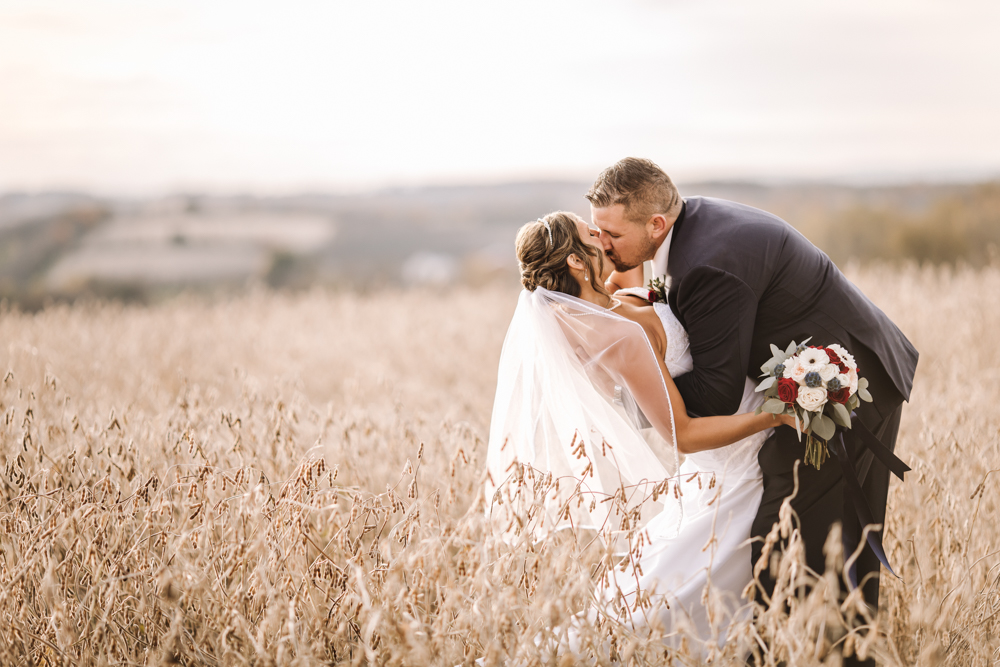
pixel 842 445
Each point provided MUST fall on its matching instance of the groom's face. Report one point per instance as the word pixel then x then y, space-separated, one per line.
pixel 626 243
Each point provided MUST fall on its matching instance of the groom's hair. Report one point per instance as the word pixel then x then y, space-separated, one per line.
pixel 640 186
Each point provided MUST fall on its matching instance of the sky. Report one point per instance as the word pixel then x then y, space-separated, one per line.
pixel 157 96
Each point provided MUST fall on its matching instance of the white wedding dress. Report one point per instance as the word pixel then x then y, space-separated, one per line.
pixel 563 362
pixel 712 543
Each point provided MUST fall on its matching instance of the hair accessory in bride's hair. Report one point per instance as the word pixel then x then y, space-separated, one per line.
pixel 548 227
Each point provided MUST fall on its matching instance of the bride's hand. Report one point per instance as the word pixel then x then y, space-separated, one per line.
pixel 789 420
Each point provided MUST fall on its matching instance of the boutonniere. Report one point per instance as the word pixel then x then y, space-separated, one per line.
pixel 657 291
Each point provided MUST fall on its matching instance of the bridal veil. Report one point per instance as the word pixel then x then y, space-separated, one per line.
pixel 576 383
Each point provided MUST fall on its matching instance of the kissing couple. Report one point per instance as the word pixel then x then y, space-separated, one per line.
pixel 604 382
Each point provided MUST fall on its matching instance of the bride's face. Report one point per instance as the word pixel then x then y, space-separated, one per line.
pixel 591 237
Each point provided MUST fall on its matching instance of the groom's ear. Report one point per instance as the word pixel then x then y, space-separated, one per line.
pixel 658 226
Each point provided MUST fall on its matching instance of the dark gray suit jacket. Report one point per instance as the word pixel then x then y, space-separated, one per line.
pixel 743 279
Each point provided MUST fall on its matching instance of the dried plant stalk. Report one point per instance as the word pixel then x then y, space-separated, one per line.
pixel 284 478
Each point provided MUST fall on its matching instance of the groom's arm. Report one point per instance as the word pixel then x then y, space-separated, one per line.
pixel 718 310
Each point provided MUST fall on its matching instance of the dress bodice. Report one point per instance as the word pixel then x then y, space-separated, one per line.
pixel 678 355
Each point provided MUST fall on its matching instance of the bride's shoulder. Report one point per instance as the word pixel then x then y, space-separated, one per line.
pixel 646 317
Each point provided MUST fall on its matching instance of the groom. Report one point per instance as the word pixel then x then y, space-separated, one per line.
pixel 740 280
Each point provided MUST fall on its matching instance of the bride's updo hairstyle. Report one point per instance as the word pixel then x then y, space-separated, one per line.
pixel 543 259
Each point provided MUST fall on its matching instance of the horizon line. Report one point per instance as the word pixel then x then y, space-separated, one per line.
pixel 853 181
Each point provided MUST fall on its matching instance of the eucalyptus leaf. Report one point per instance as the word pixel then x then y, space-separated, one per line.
pixel 823 426
pixel 806 418
pixel 760 408
pixel 775 351
pixel 775 406
pixel 862 383
pixel 841 415
pixel 790 350
pixel 766 384
pixel 865 396
pixel 798 425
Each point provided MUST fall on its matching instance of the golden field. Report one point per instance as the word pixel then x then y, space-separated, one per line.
pixel 296 479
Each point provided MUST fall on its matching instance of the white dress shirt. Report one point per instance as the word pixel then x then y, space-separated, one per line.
pixel 661 257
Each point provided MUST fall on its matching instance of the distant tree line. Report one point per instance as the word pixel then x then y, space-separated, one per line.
pixel 961 227
pixel 933 223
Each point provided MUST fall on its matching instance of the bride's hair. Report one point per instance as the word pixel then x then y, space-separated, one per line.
pixel 542 256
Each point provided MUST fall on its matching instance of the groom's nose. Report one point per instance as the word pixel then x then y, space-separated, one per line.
pixel 605 240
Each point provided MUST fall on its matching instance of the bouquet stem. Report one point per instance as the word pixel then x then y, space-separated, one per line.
pixel 816 451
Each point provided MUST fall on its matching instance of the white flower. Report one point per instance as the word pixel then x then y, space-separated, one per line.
pixel 813 359
pixel 796 371
pixel 844 355
pixel 844 379
pixel 828 372
pixel 852 380
pixel 811 398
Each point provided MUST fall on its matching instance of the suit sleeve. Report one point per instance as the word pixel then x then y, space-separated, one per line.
pixel 718 310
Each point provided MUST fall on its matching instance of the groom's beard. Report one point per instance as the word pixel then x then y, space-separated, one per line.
pixel 644 252
pixel 621 267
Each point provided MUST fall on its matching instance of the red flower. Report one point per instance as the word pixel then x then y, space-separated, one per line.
pixel 788 390
pixel 651 296
pixel 839 396
pixel 835 359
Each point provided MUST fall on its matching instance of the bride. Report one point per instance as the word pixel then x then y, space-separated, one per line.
pixel 582 373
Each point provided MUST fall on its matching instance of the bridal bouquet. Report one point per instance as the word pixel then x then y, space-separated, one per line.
pixel 819 386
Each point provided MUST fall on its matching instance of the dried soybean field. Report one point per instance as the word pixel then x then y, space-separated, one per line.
pixel 296 479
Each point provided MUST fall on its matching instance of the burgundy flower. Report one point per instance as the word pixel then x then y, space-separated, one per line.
pixel 839 396
pixel 788 390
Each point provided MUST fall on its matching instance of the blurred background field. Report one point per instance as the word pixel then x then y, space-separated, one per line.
pixel 179 146
pixel 63 246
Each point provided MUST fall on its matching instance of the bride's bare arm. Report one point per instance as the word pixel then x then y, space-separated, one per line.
pixel 650 384
pixel 696 434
